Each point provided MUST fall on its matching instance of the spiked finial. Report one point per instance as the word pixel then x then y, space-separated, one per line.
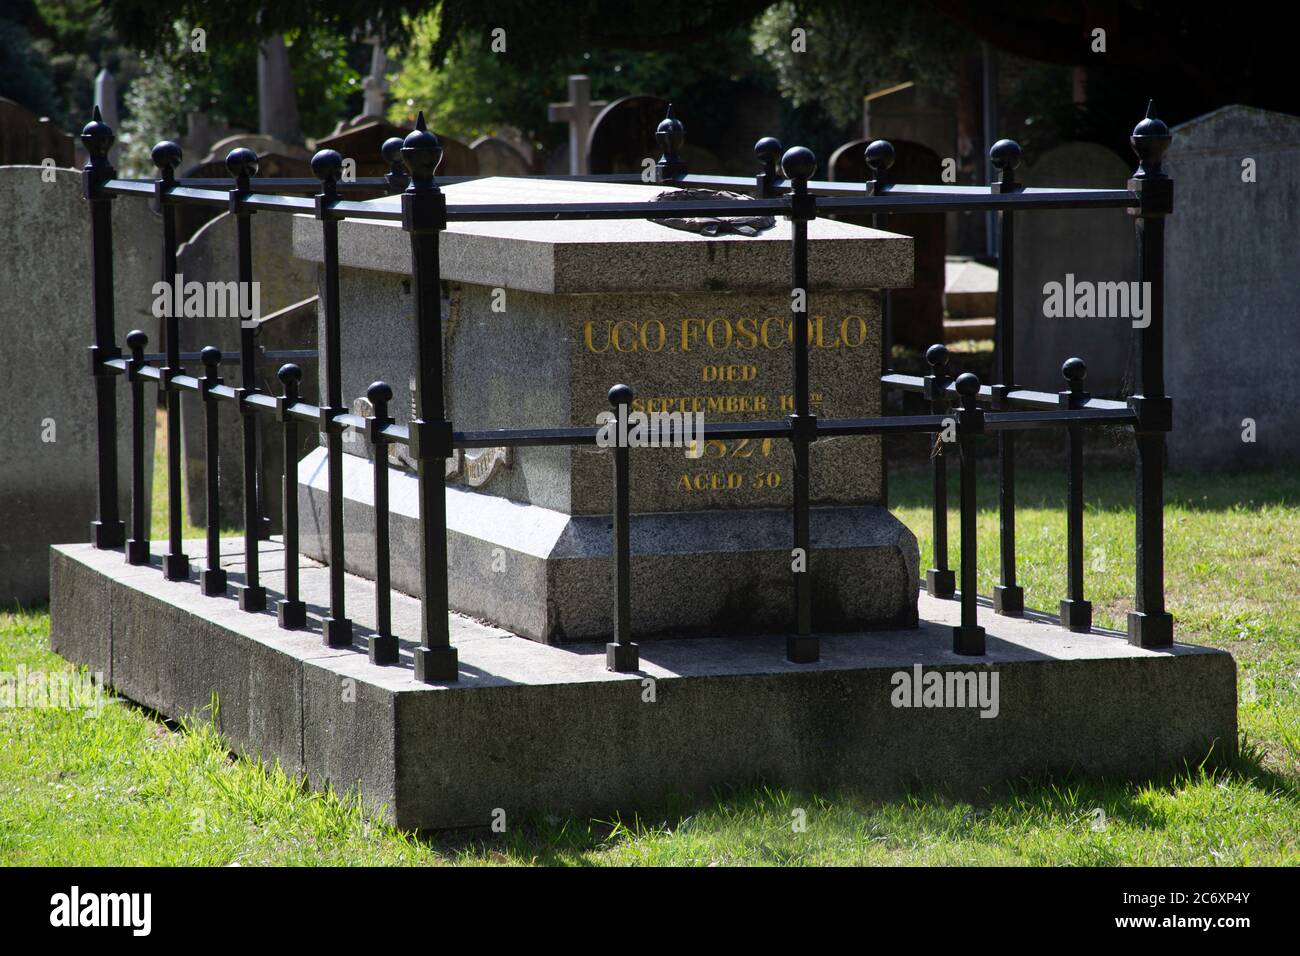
pixel 422 152
pixel 670 135
pixel 98 137
pixel 1150 140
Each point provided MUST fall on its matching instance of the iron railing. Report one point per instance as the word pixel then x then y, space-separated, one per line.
pixel 782 188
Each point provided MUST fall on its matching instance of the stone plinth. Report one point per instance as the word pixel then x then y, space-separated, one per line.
pixel 530 729
pixel 541 319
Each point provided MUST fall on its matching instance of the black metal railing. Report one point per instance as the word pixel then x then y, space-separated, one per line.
pixel 784 188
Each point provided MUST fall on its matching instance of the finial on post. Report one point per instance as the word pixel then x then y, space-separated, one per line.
pixel 166 157
pixel 421 152
pixel 1150 140
pixel 879 156
pixel 1074 371
pixel 396 178
pixel 98 138
pixel 670 135
pixel 768 152
pixel 1006 156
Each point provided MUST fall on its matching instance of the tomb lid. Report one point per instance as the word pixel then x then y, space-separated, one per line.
pixel 614 255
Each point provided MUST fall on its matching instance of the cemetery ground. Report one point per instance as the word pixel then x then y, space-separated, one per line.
pixel 126 787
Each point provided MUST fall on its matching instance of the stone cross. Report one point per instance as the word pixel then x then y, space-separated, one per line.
pixel 578 113
pixel 375 85
pixel 106 100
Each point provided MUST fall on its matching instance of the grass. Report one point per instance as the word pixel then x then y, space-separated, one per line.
pixel 125 787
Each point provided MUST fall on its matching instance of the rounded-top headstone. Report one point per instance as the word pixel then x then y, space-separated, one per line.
pixel 242 162
pixel 879 155
pixel 1006 154
pixel 937 356
pixel 620 395
pixel 327 165
pixel 166 155
pixel 379 393
pixel 799 162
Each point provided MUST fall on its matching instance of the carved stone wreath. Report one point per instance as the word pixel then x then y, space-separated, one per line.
pixel 710 225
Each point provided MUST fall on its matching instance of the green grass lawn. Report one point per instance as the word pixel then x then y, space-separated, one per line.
pixel 124 787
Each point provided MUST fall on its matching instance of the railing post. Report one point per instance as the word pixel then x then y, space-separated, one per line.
pixel 291 611
pixel 1149 625
pixel 799 163
pixel 424 216
pixel 383 645
pixel 622 655
pixel 1076 613
pixel 768 181
pixel 968 637
pixel 242 164
pixel 107 530
pixel 940 582
pixel 879 156
pixel 212 579
pixel 176 564
pixel 137 547
pixel 1008 596
pixel 327 164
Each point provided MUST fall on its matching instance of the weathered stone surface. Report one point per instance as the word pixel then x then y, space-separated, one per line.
pixel 285 285
pixel 1095 245
pixel 1231 296
pixel 529 728
pixel 48 478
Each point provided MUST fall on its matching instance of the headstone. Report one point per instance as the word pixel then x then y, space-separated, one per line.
pixel 622 135
pixel 202 133
pixel 48 480
pixel 907 112
pixel 26 139
pixel 362 142
pixel 191 217
pixel 1231 295
pixel 260 143
pixel 691 323
pixel 1092 245
pixel 917 312
pixel 579 113
pixel 496 157
pixel 277 102
pixel 289 322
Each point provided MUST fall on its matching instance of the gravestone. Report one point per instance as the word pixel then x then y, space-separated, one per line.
pixel 259 143
pixel 692 324
pixel 1092 245
pixel 578 112
pixel 622 138
pixel 191 217
pixel 1231 292
pixel 48 477
pixel 286 288
pixel 28 139
pixel 496 157
pixel 907 112
pixel 918 311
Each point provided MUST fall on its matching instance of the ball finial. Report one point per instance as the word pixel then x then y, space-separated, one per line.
pixel 620 395
pixel 327 165
pixel 392 150
pixel 799 162
pixel 289 374
pixel 242 162
pixel 1074 370
pixel 768 149
pixel 1150 140
pixel 937 356
pixel 98 137
pixel 1006 154
pixel 136 340
pixel 166 155
pixel 421 151
pixel 210 356
pixel 968 385
pixel 379 393
pixel 879 155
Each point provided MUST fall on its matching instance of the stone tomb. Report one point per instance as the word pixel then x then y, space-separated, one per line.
pixel 542 319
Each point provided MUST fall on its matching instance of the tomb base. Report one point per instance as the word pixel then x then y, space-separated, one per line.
pixel 548 576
